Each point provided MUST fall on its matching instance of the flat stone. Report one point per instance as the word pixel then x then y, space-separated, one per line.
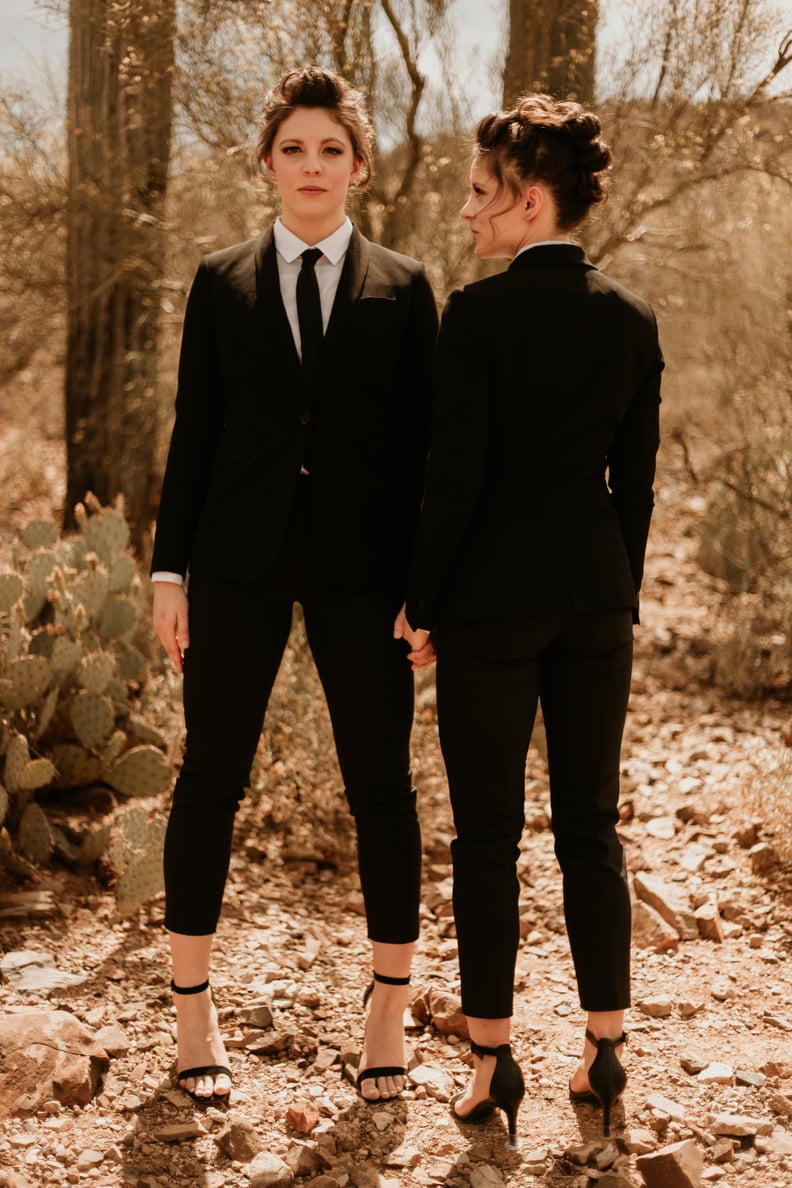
pixel 709 923
pixel 268 1171
pixel 88 1159
pixel 677 1166
pixel 659 1007
pixel 739 1125
pixel 667 901
pixel 178 1132
pixel 664 1105
pixel 27 970
pixel 486 1177
pixel 435 1080
pixel 763 858
pixel 716 1074
pixel 46 1056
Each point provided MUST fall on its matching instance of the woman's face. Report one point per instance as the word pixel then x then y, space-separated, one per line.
pixel 497 218
pixel 313 165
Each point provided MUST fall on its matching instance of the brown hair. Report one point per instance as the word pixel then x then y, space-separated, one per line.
pixel 552 141
pixel 313 86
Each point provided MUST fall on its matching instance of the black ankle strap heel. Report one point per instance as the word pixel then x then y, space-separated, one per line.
pixel 606 1076
pixel 390 1070
pixel 507 1089
pixel 202 1070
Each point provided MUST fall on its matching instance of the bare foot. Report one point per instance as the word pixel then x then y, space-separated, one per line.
pixel 200 1043
pixel 478 1090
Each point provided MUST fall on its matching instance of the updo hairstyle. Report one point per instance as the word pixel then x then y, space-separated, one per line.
pixel 552 141
pixel 313 86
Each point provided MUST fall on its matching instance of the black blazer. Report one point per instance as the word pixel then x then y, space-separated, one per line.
pixel 542 460
pixel 246 420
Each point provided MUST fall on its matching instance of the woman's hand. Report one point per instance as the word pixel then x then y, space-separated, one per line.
pixel 171 620
pixel 423 650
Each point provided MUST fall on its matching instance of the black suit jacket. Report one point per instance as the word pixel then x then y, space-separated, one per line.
pixel 246 420
pixel 542 460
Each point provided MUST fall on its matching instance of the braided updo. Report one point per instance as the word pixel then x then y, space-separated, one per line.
pixel 553 141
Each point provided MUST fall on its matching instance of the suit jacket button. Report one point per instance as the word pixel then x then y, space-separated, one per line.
pixel 305 418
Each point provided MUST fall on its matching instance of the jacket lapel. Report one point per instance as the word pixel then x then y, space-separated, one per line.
pixel 271 303
pixel 350 287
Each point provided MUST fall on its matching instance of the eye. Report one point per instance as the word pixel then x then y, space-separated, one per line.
pixel 289 149
pixel 333 151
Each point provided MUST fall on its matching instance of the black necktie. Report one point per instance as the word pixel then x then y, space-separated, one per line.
pixel 309 310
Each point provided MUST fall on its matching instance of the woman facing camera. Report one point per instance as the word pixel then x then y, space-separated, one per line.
pixel 528 562
pixel 294 475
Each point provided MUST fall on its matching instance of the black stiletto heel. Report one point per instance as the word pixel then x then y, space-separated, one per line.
pixel 203 1070
pixel 606 1076
pixel 390 1070
pixel 507 1089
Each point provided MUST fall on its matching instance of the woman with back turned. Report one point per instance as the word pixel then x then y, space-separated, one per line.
pixel 528 563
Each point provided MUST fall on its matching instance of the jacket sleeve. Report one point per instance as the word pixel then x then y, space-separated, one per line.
pixel 415 395
pixel 457 459
pixel 631 466
pixel 198 422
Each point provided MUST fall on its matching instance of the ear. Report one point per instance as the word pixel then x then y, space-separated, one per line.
pixel 533 201
pixel 356 171
pixel 268 163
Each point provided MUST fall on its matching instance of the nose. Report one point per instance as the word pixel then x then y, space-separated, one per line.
pixel 465 212
pixel 312 163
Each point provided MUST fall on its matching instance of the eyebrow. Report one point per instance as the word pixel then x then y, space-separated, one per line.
pixel 324 140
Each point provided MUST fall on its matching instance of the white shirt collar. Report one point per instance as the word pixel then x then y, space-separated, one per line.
pixel 291 247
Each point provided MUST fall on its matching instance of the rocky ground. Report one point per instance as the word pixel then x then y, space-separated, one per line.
pixel 710 1035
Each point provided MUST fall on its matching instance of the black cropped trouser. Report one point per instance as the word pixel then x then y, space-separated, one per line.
pixel 238 634
pixel 490 677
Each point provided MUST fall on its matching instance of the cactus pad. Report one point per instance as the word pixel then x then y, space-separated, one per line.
pixel 40 534
pixel 11 589
pixel 123 572
pixel 65 655
pixel 75 766
pixel 17 755
pixel 93 846
pixel 119 617
pixel 106 533
pixel 143 732
pixel 131 663
pixel 36 773
pixel 3 804
pixel 93 718
pixel 143 771
pixel 114 748
pixel 47 711
pixel 96 671
pixel 90 590
pixel 24 681
pixel 35 836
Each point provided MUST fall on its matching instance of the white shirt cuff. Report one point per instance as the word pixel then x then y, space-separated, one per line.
pixel 162 575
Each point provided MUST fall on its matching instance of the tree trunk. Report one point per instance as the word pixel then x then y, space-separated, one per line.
pixel 552 46
pixel 119 129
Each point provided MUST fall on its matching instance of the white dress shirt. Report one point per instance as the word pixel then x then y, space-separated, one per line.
pixel 288 252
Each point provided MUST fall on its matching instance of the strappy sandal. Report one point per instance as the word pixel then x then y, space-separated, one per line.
pixel 203 1070
pixel 388 1070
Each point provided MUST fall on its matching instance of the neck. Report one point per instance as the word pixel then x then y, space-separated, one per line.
pixel 312 231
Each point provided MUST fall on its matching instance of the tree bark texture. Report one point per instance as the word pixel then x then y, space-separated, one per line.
pixel 121 58
pixel 552 46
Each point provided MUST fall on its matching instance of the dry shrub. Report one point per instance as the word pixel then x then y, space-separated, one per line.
pixel 746 539
pixel 768 797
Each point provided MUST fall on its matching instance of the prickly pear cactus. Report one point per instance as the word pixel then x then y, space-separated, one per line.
pixel 35 835
pixel 137 856
pixel 143 771
pixel 71 679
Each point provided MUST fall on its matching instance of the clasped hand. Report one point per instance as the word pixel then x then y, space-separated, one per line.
pixel 423 650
